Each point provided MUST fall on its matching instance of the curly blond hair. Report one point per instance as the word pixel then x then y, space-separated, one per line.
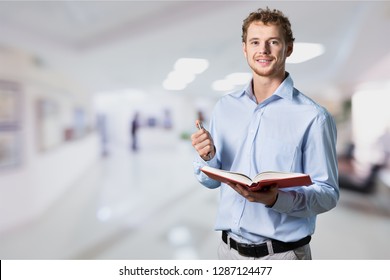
pixel 268 16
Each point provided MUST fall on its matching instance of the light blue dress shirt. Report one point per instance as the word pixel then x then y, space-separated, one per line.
pixel 286 132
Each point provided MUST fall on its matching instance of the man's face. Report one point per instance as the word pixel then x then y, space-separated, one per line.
pixel 266 50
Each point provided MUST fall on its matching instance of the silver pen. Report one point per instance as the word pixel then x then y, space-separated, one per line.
pixel 199 125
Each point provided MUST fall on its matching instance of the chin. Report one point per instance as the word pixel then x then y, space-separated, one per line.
pixel 265 73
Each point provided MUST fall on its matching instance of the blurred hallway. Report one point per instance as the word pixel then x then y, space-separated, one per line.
pixel 72 188
pixel 127 207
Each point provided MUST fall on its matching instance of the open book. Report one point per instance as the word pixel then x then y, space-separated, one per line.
pixel 261 180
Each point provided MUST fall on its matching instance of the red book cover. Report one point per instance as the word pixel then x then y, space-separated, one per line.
pixel 261 180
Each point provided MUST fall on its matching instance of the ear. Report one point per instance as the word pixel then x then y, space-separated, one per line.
pixel 290 48
pixel 244 49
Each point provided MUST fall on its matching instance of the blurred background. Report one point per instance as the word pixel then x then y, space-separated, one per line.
pixel 98 100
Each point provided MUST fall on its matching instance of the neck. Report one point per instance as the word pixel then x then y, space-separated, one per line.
pixel 264 87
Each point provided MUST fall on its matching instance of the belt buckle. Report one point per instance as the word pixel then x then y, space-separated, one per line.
pixel 235 245
pixel 270 247
pixel 229 242
pixel 250 250
pixel 254 251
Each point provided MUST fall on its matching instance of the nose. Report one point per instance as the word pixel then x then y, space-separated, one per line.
pixel 263 48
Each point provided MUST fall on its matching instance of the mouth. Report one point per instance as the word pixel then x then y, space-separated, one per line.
pixel 264 61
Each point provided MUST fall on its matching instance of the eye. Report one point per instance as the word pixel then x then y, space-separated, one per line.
pixel 274 42
pixel 254 43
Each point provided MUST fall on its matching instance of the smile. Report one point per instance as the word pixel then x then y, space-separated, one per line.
pixel 263 59
pixel 264 62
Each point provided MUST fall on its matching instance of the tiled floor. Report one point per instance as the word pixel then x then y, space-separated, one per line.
pixel 148 205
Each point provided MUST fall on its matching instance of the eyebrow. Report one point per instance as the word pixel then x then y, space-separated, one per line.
pixel 271 38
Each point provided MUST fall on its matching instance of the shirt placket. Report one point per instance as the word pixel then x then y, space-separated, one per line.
pixel 253 132
pixel 248 158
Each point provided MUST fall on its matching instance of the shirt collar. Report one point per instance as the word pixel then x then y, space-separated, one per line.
pixel 285 89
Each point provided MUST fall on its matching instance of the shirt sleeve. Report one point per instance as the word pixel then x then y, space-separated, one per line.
pixel 198 162
pixel 320 161
pixel 201 177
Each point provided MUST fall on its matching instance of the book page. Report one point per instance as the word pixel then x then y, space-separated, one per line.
pixel 282 179
pixel 276 175
pixel 234 176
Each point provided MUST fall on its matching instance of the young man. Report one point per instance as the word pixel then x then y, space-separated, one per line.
pixel 269 125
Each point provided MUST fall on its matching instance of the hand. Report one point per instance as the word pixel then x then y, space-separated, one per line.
pixel 267 196
pixel 203 143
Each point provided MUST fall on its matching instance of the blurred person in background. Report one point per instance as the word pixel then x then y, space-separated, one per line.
pixel 134 127
pixel 103 133
pixel 269 125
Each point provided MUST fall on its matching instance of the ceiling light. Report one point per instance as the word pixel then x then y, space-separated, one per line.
pixel 174 85
pixel 183 77
pixel 239 78
pixel 232 80
pixel 191 65
pixel 185 71
pixel 305 51
pixel 178 80
pixel 222 85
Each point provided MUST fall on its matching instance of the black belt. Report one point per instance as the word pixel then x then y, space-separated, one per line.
pixel 261 250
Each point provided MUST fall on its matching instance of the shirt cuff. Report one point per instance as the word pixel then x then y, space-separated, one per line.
pixel 199 162
pixel 203 178
pixel 212 162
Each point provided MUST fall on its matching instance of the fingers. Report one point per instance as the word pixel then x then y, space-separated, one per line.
pixel 240 189
pixel 202 142
pixel 266 196
pixel 202 138
pixel 200 134
pixel 206 151
pixel 244 192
